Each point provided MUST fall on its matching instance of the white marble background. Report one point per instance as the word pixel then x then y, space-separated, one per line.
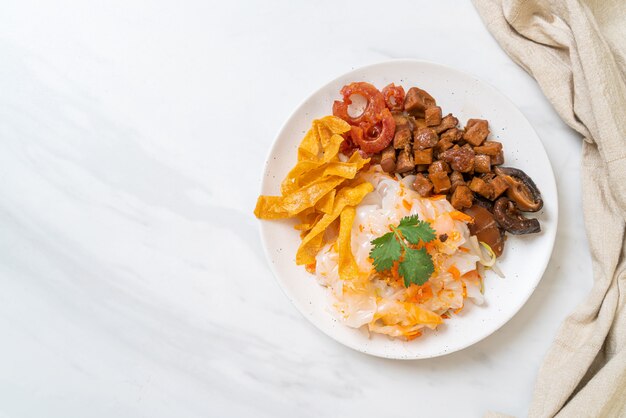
pixel 132 280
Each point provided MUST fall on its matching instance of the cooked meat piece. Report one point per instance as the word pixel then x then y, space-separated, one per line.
pixel 405 162
pixel 432 115
pixel 460 159
pixel 417 101
pixel 421 167
pixel 422 185
pixel 497 159
pixel 439 167
pixel 418 123
pixel 441 182
pixel 456 179
pixel 476 131
pixel 388 159
pixel 488 176
pixel 423 156
pixel 509 218
pixel 447 122
pixel 402 138
pixel 452 134
pixel 499 186
pixel 443 145
pixel 489 148
pixel 400 119
pixel 425 138
pixel 462 197
pixel 481 187
pixel 482 163
pixel 486 228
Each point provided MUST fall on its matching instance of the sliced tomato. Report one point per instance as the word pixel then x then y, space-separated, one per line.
pixel 394 96
pixel 373 137
pixel 375 103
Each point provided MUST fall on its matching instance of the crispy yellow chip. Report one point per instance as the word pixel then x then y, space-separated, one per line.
pixel 319 189
pixel 325 204
pixel 346 196
pixel 321 138
pixel 348 269
pixel 277 207
pixel 347 170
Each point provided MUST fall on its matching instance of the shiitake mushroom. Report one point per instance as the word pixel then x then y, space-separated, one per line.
pixel 510 218
pixel 522 189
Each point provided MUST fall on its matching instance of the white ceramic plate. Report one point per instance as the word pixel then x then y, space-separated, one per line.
pixel 525 257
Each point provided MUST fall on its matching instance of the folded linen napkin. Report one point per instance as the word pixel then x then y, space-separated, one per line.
pixel 576 50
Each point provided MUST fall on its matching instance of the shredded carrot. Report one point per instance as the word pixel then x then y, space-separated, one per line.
pixel 471 275
pixel 438 197
pixel 463 249
pixel 311 268
pixel 460 216
pixel 407 205
pixel 410 337
pixel 456 274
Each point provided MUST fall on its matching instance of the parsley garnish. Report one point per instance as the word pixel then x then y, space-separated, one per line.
pixel 414 265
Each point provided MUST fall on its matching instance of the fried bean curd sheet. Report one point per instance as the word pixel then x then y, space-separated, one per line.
pixel 321 188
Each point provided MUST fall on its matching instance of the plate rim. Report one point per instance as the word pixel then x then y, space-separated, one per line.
pixel 265 179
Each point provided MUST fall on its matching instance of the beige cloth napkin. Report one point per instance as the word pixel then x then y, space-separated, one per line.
pixel 576 50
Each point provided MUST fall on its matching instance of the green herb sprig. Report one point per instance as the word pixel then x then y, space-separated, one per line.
pixel 415 265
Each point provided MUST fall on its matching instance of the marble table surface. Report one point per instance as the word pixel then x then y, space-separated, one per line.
pixel 133 281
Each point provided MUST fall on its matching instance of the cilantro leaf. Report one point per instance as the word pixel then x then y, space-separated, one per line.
pixel 416 267
pixel 386 250
pixel 414 230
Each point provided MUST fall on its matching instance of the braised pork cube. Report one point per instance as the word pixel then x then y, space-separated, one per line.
pixel 447 122
pixel 462 197
pixel 402 137
pixel 489 148
pixel 452 135
pixel 476 131
pixel 388 159
pixel 441 182
pixel 422 185
pixel 400 119
pixel 443 145
pixel 456 179
pixel 418 123
pixel 375 159
pixel 432 115
pixel 439 167
pixel 425 138
pixel 417 101
pixel 421 167
pixel 460 158
pixel 482 163
pixel 497 159
pixel 404 162
pixel 481 187
pixel 488 176
pixel 499 186
pixel 423 156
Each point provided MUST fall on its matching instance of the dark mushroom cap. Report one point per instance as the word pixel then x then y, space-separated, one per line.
pixel 522 189
pixel 512 220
